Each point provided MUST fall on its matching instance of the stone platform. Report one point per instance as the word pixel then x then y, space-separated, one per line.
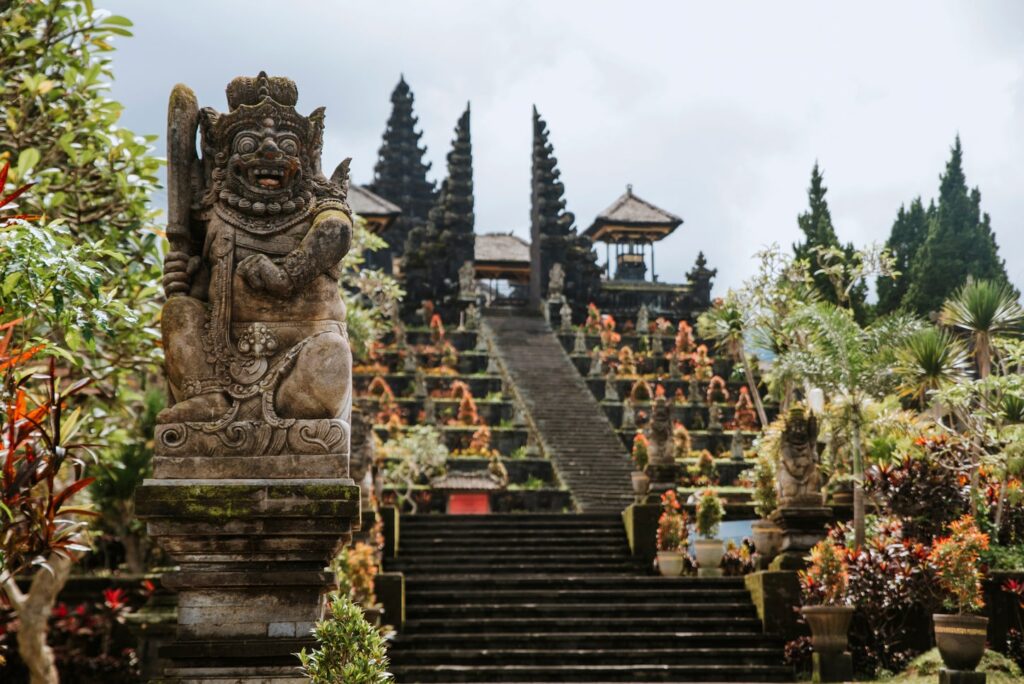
pixel 252 515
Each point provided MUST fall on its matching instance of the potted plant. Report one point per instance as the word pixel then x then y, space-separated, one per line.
pixel 824 590
pixel 672 539
pixel 961 637
pixel 767 535
pixel 640 455
pixel 709 550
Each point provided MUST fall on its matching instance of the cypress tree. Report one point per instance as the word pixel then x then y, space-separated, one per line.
pixel 400 175
pixel 816 225
pixel 909 231
pixel 960 243
pixel 553 237
pixel 435 251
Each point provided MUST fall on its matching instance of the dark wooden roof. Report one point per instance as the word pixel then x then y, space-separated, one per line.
pixel 632 217
pixel 370 205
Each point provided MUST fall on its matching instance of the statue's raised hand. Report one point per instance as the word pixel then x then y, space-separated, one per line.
pixel 264 275
pixel 179 268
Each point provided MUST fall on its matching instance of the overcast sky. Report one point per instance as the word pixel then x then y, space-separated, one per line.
pixel 715 111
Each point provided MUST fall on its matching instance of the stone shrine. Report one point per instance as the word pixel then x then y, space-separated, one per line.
pixel 251 494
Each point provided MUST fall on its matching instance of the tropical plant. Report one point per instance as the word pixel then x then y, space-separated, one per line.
pixel 853 365
pixel 766 493
pixel 42 470
pixel 726 323
pixel 983 309
pixel 641 451
pixel 672 534
pixel 957 559
pixel 710 512
pixel 413 458
pixel 825 580
pixel 349 649
pixel 931 359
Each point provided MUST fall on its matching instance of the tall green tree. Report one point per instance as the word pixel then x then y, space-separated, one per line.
pixel 436 251
pixel 92 178
pixel 909 231
pixel 960 243
pixel 400 175
pixel 820 235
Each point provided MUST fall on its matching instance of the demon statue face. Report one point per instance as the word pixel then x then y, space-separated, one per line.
pixel 662 447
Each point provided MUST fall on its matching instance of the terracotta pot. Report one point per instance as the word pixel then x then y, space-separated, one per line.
pixel 670 563
pixel 641 482
pixel 830 626
pixel 961 640
pixel 709 557
pixel 767 538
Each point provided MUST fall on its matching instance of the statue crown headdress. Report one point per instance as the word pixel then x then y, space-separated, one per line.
pixel 246 90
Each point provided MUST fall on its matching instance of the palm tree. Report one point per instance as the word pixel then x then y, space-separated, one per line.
pixel 930 360
pixel 984 309
pixel 852 364
pixel 726 324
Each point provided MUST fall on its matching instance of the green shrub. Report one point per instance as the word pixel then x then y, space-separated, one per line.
pixel 350 649
pixel 709 513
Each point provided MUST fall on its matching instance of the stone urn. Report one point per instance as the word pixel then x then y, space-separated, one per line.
pixel 709 557
pixel 641 482
pixel 767 538
pixel 829 627
pixel 961 640
pixel 670 563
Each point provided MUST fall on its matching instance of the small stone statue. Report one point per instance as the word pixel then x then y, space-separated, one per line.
pixel 661 447
pixel 673 367
pixel 714 418
pixel 467 281
pixel 519 416
pixel 596 367
pixel 532 448
pixel 799 479
pixel 693 390
pixel 419 384
pixel 566 314
pixel 492 365
pixel 628 415
pixel 401 339
pixel 429 411
pixel 736 446
pixel 363 452
pixel 481 341
pixel 409 361
pixel 611 393
pixel 471 321
pixel 556 283
pixel 579 345
pixel 643 322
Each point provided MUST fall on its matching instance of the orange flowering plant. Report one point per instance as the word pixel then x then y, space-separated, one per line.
pixel 672 532
pixel 957 560
pixel 826 578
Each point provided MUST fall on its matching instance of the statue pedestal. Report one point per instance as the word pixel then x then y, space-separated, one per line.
pixel 802 527
pixel 663 478
pixel 252 540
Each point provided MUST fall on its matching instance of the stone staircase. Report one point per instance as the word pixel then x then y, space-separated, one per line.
pixel 558 598
pixel 576 434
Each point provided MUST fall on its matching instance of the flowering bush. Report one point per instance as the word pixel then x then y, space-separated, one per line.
pixel 824 582
pixel 641 390
pixel 349 648
pixel 593 323
pixel 641 450
pixel 766 492
pixel 355 569
pixel 957 561
pixel 701 363
pixel 738 560
pixel 681 440
pixel 717 390
pixel 704 472
pixel 744 416
pixel 684 340
pixel 672 534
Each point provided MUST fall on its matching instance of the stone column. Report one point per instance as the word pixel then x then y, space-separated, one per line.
pixel 252 541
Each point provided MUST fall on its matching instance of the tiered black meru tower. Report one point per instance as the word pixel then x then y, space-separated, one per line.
pixel 546 588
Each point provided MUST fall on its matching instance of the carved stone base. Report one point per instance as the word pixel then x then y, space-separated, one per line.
pixel 663 478
pixel 252 535
pixel 801 528
pixel 832 667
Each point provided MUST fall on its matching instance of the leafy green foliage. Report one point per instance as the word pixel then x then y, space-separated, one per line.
pixel 412 458
pixel 983 309
pixel 930 360
pixel 350 649
pixel 766 493
pixel 371 296
pixel 710 512
pixel 956 558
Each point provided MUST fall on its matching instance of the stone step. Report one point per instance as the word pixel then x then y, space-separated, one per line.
pixel 604 596
pixel 591 673
pixel 584 623
pixel 423 610
pixel 584 656
pixel 576 640
pixel 624 582
pixel 555 567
